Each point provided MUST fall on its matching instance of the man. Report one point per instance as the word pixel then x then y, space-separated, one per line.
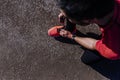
pixel 105 13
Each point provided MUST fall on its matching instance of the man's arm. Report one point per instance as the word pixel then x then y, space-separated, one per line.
pixel 88 43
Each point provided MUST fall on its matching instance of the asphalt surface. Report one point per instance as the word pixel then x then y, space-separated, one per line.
pixel 28 53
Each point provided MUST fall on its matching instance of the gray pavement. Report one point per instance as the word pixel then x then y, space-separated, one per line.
pixel 28 53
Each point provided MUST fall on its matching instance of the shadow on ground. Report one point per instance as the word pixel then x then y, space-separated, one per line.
pixel 108 68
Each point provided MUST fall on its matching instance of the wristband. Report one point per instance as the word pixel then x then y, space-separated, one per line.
pixel 73 37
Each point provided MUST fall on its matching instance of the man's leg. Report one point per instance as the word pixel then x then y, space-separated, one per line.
pixel 69 26
pixel 90 57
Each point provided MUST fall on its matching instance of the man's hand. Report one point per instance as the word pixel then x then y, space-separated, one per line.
pixel 61 18
pixel 65 33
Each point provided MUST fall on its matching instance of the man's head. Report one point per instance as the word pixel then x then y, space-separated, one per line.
pixel 78 10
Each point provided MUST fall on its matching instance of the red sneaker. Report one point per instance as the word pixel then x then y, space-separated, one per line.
pixel 54 31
